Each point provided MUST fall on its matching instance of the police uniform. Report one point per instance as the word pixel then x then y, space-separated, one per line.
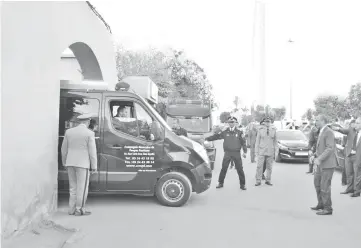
pixel 266 143
pixel 312 141
pixel 232 145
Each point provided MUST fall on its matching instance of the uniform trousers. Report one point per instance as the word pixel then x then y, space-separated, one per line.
pixel 228 157
pixel 322 181
pixel 352 173
pixel 260 164
pixel 78 187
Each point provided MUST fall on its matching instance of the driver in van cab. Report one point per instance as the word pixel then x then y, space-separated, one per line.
pixel 123 122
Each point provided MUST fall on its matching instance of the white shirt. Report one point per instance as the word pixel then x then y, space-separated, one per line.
pixel 232 129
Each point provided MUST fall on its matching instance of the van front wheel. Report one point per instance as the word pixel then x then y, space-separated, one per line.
pixel 173 189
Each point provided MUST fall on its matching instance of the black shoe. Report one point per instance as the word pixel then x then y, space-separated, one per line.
pixel 355 195
pixel 324 212
pixel 263 177
pixel 346 192
pixel 309 172
pixel 220 185
pixel 344 184
pixel 269 183
pixel 243 187
pixel 82 212
pixel 257 184
pixel 317 208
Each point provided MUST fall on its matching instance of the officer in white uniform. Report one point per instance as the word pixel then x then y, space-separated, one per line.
pixel 79 156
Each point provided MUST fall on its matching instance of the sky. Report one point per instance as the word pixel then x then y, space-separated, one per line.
pixel 325 57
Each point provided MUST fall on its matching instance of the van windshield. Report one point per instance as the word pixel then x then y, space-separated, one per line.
pixel 157 115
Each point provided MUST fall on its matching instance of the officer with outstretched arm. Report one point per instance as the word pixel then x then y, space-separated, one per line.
pixel 232 145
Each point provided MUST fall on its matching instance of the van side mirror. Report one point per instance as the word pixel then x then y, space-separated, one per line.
pixel 156 130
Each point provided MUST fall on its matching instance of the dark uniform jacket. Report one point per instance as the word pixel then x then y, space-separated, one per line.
pixel 233 140
pixel 180 131
pixel 312 139
pixel 351 135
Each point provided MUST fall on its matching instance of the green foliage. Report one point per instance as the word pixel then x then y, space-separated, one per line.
pixel 224 116
pixel 175 75
pixel 354 100
pixel 332 107
pixel 309 114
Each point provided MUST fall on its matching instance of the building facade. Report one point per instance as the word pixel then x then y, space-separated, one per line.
pixel 33 37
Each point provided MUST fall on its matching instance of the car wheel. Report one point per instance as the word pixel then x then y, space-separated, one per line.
pixel 278 158
pixel 173 189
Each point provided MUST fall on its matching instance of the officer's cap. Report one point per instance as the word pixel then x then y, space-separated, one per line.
pixel 86 117
pixel 266 119
pixel 232 119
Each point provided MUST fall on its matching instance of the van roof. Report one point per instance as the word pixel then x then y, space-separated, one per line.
pixel 104 92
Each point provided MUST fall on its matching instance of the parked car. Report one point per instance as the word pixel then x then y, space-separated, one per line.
pixel 292 146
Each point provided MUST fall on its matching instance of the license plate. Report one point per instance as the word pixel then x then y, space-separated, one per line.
pixel 301 153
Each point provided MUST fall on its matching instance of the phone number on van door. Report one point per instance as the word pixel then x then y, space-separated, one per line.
pixel 139 156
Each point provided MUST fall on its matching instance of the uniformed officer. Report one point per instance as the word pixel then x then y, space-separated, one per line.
pixel 232 145
pixel 312 141
pixel 266 143
pixel 79 156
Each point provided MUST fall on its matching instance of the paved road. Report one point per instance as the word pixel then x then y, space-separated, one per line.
pixel 277 216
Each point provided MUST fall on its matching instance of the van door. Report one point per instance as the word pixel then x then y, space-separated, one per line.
pixel 133 158
pixel 72 105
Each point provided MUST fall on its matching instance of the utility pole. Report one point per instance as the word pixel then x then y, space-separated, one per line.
pixel 290 41
pixel 259 66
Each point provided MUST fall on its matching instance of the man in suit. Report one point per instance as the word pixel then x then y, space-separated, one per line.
pixel 266 143
pixel 79 155
pixel 350 156
pixel 358 159
pixel 325 163
pixel 232 145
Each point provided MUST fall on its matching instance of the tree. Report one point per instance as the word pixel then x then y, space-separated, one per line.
pixel 236 103
pixel 279 113
pixel 308 114
pixel 353 103
pixel 332 106
pixel 224 116
pixel 175 75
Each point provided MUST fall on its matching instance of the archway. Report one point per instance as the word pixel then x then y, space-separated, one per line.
pixel 79 66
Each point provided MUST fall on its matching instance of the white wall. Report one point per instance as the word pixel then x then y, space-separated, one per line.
pixel 34 35
pixel 70 70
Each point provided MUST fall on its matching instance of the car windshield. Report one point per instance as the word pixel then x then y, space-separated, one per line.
pixel 291 135
pixel 154 112
pixel 195 124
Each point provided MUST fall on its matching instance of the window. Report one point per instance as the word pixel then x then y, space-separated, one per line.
pixel 131 118
pixel 144 122
pixel 71 107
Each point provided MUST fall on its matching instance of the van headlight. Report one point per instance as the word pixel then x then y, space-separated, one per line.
pixel 201 151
